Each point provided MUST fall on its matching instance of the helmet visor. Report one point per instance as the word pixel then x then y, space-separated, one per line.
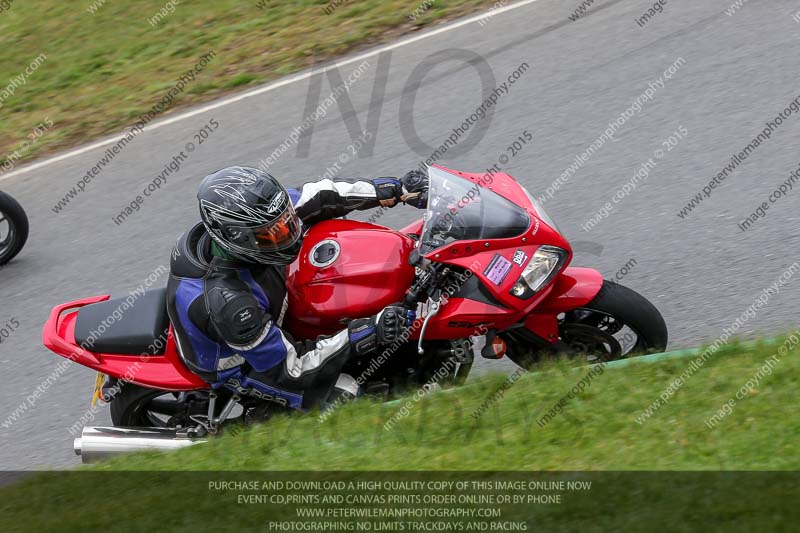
pixel 279 233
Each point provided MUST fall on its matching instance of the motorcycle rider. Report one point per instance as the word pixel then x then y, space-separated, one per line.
pixel 227 294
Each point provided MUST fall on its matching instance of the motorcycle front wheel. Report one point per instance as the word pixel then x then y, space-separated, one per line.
pixel 13 228
pixel 617 323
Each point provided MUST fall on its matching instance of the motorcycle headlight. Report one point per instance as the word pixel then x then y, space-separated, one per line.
pixel 543 266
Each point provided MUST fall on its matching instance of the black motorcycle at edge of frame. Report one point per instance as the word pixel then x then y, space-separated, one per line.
pixel 13 228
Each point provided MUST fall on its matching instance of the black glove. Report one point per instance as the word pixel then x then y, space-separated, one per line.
pixel 416 183
pixel 388 189
pixel 366 334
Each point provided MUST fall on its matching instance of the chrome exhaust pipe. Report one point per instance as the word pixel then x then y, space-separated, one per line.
pixel 97 443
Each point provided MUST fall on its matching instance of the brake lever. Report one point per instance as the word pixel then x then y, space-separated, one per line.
pixel 434 309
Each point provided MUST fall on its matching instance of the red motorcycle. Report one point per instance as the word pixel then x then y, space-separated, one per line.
pixel 486 270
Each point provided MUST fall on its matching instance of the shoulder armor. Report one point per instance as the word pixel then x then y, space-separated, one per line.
pixel 234 310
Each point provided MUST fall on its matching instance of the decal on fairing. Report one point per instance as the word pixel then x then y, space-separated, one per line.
pixel 498 269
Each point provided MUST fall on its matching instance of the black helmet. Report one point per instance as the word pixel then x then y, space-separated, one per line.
pixel 249 214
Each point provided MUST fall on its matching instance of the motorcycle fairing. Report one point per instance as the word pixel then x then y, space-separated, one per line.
pixel 575 287
pixel 354 285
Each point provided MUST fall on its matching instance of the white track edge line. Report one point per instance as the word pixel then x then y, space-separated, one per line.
pixel 268 88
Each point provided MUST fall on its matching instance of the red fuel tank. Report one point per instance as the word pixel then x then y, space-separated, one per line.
pixel 346 269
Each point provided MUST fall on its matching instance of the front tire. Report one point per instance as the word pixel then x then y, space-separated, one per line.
pixel 616 307
pixel 616 324
pixel 13 228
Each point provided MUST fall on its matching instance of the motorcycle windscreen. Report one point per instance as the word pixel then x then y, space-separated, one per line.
pixel 459 209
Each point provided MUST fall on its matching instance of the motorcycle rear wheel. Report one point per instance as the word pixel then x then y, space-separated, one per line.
pixel 135 406
pixel 13 228
pixel 616 324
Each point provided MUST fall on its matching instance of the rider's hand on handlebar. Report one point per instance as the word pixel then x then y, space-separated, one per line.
pixel 389 191
pixel 367 334
pixel 415 189
pixel 411 189
pixel 392 322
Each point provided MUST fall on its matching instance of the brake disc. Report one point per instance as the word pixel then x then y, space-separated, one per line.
pixel 595 343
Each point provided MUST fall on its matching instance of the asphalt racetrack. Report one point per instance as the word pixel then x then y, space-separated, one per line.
pixel 705 83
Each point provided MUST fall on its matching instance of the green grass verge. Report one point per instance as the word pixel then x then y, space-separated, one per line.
pixel 596 431
pixel 102 70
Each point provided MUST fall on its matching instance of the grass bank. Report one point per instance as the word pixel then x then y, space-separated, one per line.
pixel 595 430
pixel 74 71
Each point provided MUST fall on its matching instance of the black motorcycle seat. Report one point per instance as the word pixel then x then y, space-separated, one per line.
pixel 140 323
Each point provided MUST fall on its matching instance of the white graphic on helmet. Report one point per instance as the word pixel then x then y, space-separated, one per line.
pixel 234 209
pixel 228 187
pixel 276 203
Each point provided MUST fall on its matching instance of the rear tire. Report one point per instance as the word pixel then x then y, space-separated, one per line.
pixel 13 230
pixel 129 405
pixel 136 406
